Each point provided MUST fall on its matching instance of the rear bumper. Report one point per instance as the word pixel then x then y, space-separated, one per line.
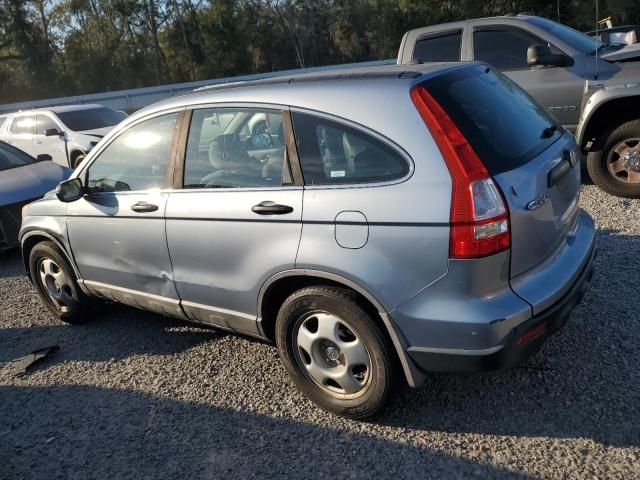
pixel 522 342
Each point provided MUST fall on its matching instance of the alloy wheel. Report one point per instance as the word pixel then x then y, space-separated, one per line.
pixel 623 161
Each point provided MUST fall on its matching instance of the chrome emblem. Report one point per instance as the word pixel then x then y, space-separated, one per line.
pixel 538 202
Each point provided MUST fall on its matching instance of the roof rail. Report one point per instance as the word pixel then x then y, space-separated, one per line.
pixel 314 77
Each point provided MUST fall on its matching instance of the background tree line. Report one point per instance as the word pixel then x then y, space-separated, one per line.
pixel 54 48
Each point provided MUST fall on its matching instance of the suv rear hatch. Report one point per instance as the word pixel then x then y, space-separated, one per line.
pixel 531 158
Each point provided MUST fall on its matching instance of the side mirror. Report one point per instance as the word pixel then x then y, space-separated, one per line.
pixel 540 55
pixel 43 157
pixel 52 132
pixel 70 190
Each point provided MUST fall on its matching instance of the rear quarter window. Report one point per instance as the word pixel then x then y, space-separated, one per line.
pixel 332 153
pixel 503 124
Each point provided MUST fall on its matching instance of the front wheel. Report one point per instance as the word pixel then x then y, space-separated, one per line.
pixel 615 168
pixel 335 352
pixel 53 277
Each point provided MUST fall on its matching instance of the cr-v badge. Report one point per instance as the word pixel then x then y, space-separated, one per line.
pixel 538 202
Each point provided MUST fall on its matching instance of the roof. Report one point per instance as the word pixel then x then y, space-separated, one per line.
pixel 62 109
pixel 386 72
pixel 461 23
pixel 287 88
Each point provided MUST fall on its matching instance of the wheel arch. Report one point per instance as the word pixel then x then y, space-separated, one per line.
pixel 74 154
pixel 598 119
pixel 279 286
pixel 32 238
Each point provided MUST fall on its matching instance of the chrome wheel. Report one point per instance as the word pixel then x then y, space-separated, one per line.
pixel 332 354
pixel 623 161
pixel 56 284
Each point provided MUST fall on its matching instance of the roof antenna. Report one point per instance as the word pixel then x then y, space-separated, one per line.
pixel 595 75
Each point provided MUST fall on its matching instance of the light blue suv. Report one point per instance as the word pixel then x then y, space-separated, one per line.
pixel 376 224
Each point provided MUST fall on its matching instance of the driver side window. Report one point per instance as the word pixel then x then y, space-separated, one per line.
pixel 137 159
pixel 236 148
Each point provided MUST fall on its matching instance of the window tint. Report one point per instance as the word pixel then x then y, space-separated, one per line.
pixel 44 123
pixel 90 119
pixel 332 153
pixel 236 148
pixel 439 47
pixel 503 47
pixel 501 121
pixel 12 157
pixel 137 159
pixel 23 124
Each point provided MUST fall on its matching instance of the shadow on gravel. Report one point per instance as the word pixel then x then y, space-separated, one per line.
pixel 584 382
pixel 11 265
pixel 119 333
pixel 81 432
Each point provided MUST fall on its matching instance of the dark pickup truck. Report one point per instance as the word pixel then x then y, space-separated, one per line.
pixel 592 88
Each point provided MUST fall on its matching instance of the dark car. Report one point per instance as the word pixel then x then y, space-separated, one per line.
pixel 22 180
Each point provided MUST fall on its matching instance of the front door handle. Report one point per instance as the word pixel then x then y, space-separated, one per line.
pixel 143 207
pixel 271 208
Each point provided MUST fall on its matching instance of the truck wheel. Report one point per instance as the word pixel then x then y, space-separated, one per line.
pixel 335 352
pixel 615 168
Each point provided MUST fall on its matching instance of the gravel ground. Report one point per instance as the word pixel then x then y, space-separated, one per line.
pixel 135 395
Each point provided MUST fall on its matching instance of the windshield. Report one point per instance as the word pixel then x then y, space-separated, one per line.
pixel 81 120
pixel 578 40
pixel 11 157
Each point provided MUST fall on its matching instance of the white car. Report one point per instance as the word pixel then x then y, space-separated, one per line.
pixel 65 133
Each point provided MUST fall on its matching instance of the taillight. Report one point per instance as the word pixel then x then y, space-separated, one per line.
pixel 479 215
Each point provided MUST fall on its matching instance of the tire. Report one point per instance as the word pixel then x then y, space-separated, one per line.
pixel 347 366
pixel 57 285
pixel 602 164
pixel 76 160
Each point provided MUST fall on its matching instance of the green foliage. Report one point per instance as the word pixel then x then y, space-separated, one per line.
pixel 67 47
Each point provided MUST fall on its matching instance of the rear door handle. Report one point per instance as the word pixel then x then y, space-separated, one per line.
pixel 143 207
pixel 271 208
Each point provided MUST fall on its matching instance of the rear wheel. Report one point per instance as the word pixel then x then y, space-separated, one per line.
pixel 335 352
pixel 616 166
pixel 56 284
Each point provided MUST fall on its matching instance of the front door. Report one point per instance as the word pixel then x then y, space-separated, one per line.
pixel 558 89
pixel 53 145
pixel 237 221
pixel 117 231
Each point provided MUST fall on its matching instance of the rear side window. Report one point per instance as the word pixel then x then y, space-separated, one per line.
pixel 439 47
pixel 333 153
pixel 503 124
pixel 23 124
pixel 503 47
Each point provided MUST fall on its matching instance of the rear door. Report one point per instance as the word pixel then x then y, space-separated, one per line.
pixel 237 218
pixel 533 160
pixel 21 133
